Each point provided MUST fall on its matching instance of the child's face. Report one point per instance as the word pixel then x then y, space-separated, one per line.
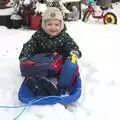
pixel 53 27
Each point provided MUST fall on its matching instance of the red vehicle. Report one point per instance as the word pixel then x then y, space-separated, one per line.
pixel 108 18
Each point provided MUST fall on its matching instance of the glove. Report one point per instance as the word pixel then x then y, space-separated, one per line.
pixel 78 53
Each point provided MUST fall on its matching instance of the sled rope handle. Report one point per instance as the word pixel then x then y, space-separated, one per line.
pixel 29 104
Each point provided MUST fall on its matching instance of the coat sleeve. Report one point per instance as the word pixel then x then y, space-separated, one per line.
pixel 70 45
pixel 29 48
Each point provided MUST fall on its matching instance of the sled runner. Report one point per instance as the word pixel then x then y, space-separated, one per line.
pixel 69 81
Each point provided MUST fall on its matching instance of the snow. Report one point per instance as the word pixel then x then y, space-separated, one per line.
pixel 7 11
pixel 15 17
pixel 68 1
pixel 40 8
pixel 99 68
pixel 65 1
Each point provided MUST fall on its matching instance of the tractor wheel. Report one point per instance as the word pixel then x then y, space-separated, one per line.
pixel 110 18
pixel 86 16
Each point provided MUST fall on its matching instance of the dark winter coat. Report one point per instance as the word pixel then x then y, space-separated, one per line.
pixel 41 42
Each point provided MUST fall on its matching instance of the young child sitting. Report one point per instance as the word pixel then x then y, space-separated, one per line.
pixel 51 37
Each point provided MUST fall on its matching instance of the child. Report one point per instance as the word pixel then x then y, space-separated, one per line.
pixel 51 37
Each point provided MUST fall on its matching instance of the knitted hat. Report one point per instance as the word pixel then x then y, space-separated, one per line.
pixel 52 13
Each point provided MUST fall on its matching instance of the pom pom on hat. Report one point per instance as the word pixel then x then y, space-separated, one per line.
pixel 52 13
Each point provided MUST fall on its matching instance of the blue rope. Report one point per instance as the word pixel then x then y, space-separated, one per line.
pixel 13 106
pixel 18 116
pixel 29 103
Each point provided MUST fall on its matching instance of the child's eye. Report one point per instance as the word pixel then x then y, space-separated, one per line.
pixel 56 24
pixel 49 24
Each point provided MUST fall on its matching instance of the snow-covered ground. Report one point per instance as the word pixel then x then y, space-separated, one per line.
pixel 99 68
